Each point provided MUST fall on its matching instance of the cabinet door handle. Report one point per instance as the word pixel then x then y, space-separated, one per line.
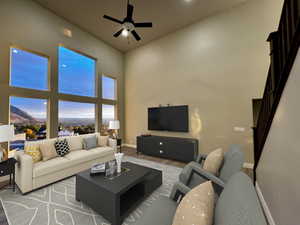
pixel 161 152
pixel 160 143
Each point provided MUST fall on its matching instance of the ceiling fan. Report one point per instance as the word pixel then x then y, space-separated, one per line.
pixel 128 24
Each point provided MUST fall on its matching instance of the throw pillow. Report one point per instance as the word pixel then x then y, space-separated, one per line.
pixel 62 147
pixel 34 151
pixel 90 142
pixel 102 140
pixel 48 150
pixel 214 161
pixel 75 143
pixel 197 207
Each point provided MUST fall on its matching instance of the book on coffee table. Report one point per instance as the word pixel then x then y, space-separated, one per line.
pixel 98 168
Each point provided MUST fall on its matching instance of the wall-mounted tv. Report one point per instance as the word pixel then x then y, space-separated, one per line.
pixel 171 118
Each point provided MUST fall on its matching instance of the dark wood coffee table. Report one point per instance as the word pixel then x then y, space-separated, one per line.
pixel 115 199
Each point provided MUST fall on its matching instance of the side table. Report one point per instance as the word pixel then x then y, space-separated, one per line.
pixel 7 167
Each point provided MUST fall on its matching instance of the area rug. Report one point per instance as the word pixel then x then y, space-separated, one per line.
pixel 56 204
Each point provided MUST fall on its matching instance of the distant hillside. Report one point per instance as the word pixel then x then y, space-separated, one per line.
pixel 19 116
pixel 76 121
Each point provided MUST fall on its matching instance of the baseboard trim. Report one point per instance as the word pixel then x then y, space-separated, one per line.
pixel 128 145
pixel 264 205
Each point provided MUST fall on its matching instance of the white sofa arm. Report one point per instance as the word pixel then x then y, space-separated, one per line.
pixel 24 170
pixel 112 143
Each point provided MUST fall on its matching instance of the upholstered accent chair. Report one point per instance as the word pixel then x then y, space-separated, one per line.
pixel 194 174
pixel 238 204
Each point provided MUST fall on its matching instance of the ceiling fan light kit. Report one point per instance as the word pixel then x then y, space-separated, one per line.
pixel 128 25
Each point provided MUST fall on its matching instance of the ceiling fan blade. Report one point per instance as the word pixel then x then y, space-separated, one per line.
pixel 118 33
pixel 112 19
pixel 130 11
pixel 143 25
pixel 136 36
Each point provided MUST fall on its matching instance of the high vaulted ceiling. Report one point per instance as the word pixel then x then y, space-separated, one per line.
pixel 166 15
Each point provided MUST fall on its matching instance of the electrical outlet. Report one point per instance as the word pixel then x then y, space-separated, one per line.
pixel 239 129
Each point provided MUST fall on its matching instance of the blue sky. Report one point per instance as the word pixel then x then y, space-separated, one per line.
pixel 28 70
pixel 37 108
pixel 76 73
pixel 76 76
pixel 75 110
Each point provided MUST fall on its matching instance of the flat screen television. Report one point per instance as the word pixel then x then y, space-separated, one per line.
pixel 171 118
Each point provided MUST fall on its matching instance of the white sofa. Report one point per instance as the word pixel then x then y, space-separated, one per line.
pixel 30 176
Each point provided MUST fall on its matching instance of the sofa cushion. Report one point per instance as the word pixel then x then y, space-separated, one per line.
pixel 47 149
pixel 50 166
pixel 238 204
pixel 233 162
pixel 75 143
pixel 214 161
pixel 160 212
pixel 89 142
pixel 34 151
pixel 80 156
pixel 62 147
pixel 197 207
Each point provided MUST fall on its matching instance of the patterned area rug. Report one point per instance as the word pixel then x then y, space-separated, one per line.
pixel 56 204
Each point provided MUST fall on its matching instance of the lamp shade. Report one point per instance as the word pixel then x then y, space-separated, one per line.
pixel 7 133
pixel 114 125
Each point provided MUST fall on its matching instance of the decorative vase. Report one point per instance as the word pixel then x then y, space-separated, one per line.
pixel 119 157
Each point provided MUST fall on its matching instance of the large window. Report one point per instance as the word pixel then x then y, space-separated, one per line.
pixel 108 88
pixel 28 70
pixel 76 94
pixel 76 118
pixel 29 116
pixel 77 73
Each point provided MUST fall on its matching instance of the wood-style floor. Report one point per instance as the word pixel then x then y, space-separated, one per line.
pixel 132 152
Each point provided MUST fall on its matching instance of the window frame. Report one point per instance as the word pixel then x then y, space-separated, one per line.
pixel 35 53
pixel 115 110
pixel 47 121
pixel 52 94
pixel 113 102
pixel 115 89
pixel 96 85
pixel 80 102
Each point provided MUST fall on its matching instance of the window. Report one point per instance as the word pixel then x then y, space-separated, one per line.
pixel 108 88
pixel 29 116
pixel 76 118
pixel 28 70
pixel 77 73
pixel 108 114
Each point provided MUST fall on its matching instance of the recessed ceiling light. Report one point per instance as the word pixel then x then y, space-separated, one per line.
pixel 188 1
pixel 125 33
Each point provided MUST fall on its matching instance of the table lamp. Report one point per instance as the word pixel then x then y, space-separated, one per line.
pixel 115 126
pixel 7 133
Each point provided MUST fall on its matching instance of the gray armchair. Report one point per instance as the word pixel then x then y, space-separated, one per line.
pixel 193 173
pixel 238 204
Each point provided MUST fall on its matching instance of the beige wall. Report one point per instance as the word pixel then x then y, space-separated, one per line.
pixel 26 24
pixel 278 169
pixel 216 66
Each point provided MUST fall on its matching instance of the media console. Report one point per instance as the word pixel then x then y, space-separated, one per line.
pixel 181 149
